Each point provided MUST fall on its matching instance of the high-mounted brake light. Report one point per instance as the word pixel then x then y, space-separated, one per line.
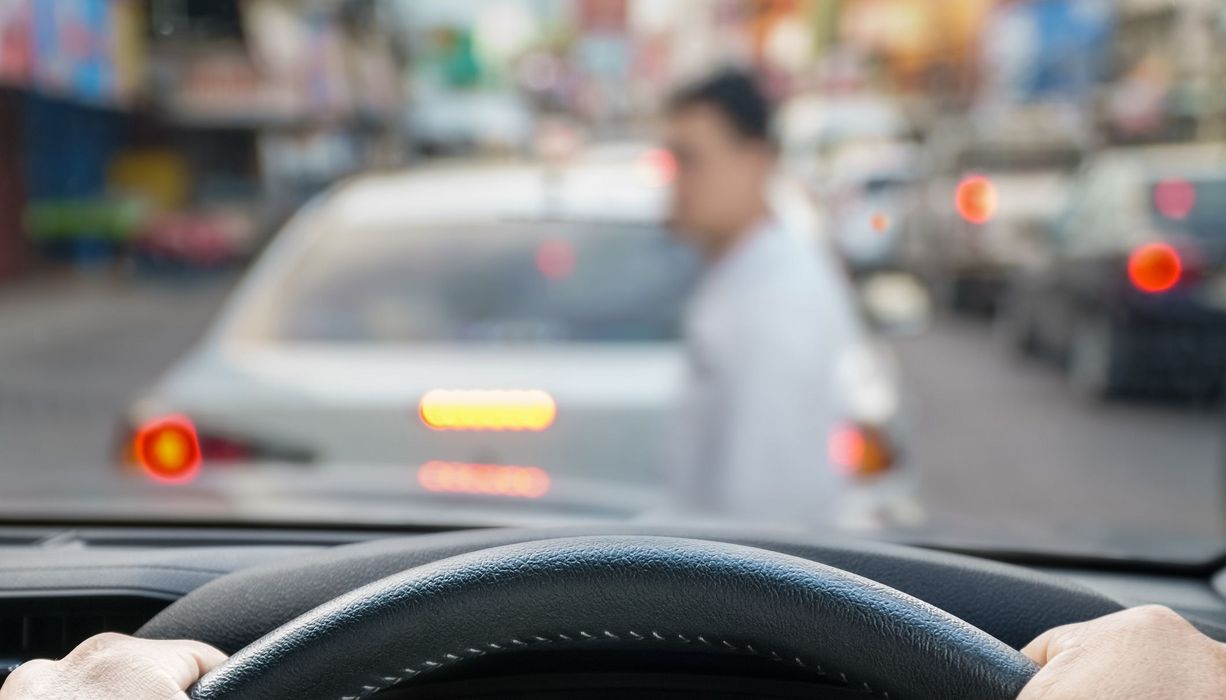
pixel 1155 268
pixel 531 410
pixel 168 449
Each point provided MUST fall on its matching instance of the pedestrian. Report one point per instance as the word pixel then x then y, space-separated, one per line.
pixel 763 328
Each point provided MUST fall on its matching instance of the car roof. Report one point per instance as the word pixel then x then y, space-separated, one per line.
pixel 606 191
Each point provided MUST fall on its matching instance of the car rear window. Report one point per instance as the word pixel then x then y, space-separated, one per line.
pixel 1194 208
pixel 509 282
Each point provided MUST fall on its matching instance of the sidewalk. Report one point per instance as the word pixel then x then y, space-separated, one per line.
pixel 73 351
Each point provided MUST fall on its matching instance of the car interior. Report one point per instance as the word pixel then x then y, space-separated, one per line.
pixel 605 611
pixel 664 349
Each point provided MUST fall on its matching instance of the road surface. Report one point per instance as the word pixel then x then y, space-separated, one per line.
pixel 74 350
pixel 1005 446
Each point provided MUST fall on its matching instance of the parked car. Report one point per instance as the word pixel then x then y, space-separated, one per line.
pixel 474 326
pixel 867 198
pixel 1130 287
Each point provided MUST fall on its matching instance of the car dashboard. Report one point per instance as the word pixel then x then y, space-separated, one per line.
pixel 60 585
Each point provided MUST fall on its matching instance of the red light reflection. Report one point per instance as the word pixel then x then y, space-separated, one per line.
pixel 555 259
pixel 1175 199
pixel 483 479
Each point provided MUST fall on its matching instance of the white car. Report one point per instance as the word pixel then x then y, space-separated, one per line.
pixel 467 333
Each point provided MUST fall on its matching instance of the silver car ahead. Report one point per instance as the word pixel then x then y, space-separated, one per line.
pixel 469 335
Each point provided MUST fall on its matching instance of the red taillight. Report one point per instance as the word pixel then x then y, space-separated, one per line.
pixel 859 451
pixel 168 449
pixel 1155 268
pixel 976 199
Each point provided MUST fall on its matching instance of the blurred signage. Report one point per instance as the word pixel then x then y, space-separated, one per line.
pixel 15 52
pixel 290 69
pixel 218 84
pixel 603 16
pixel 88 50
pixel 1048 48
pixel 916 35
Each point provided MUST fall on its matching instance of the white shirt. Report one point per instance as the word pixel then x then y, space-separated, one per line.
pixel 763 332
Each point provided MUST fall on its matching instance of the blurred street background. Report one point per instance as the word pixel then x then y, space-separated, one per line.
pixel 150 149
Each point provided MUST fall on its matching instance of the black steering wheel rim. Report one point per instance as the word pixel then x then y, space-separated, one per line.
pixel 623 592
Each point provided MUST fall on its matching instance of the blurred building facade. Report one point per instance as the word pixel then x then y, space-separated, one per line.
pixel 182 128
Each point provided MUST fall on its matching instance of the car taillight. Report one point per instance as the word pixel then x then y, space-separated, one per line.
pixel 976 199
pixel 167 449
pixel 1155 268
pixel 173 448
pixel 860 451
pixel 531 410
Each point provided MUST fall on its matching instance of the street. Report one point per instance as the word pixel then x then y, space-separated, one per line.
pixel 1004 448
pixel 75 350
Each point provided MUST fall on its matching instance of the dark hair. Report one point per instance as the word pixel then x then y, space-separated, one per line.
pixel 736 96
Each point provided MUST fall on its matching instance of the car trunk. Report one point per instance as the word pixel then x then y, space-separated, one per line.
pixel 360 406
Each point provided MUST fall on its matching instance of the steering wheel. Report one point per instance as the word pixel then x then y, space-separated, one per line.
pixel 618 593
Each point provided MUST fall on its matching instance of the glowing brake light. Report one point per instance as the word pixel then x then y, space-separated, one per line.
pixel 859 451
pixel 1155 268
pixel 976 199
pixel 483 479
pixel 168 449
pixel 532 410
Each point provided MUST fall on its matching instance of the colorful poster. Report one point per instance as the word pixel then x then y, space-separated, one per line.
pixel 15 56
pixel 85 49
pixel 1041 49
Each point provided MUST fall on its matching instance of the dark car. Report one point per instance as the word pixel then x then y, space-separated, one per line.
pixel 1129 287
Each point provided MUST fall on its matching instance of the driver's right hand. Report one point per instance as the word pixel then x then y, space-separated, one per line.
pixel 1145 653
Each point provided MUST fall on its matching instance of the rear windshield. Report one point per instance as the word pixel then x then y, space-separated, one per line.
pixel 518 283
pixel 1194 208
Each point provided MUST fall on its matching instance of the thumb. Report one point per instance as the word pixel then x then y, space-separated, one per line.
pixel 1048 645
pixel 185 660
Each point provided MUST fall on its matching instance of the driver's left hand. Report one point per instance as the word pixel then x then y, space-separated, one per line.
pixel 115 667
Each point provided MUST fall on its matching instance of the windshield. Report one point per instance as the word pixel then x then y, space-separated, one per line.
pixel 510 283
pixel 949 273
